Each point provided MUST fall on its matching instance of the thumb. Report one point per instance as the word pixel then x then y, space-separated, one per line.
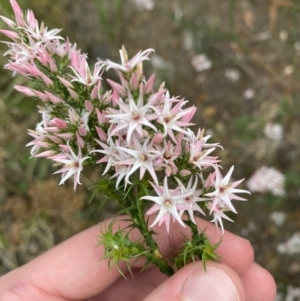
pixel 192 283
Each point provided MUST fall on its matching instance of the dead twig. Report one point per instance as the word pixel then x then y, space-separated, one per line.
pixel 260 61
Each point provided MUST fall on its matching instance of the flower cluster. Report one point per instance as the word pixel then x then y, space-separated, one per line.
pixel 134 134
pixel 267 179
pixel 291 246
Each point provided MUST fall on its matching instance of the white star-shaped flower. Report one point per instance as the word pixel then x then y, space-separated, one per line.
pixel 132 116
pixel 218 213
pixel 73 165
pixel 142 157
pixel 128 65
pixel 168 202
pixel 225 191
pixel 171 117
pixel 192 198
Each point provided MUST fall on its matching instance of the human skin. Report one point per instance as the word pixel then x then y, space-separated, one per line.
pixel 72 271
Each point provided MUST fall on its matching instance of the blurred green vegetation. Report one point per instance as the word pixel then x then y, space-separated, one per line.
pixel 254 49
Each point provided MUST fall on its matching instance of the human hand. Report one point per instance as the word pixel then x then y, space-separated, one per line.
pixel 72 271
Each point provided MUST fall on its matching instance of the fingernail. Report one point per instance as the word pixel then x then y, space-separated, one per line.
pixel 212 285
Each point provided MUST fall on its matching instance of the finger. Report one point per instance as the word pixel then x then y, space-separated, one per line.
pixel 133 288
pixel 257 283
pixel 192 283
pixel 73 270
pixel 258 280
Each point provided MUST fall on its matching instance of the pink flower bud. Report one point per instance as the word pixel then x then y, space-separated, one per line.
pixel 54 139
pixel 101 117
pixel 46 80
pixel 95 92
pixel 66 136
pixel 115 98
pixel 101 134
pixel 47 153
pixel 210 180
pixel 34 71
pixel 10 34
pixel 60 123
pixel 65 82
pixel 74 118
pixel 43 56
pixel 124 82
pixel 31 19
pixel 60 155
pixel 53 98
pixel 174 169
pixel 158 138
pixel 64 148
pixel 73 94
pixel 52 65
pixel 42 96
pixel 75 60
pixel 88 106
pixel 43 144
pixel 184 172
pixel 25 90
pixel 67 45
pixel 106 98
pixel 149 84
pixel 178 138
pixel 9 22
pixel 117 87
pixel 134 82
pixel 51 129
pixel 79 140
pixel 82 131
pixel 18 12
pixel 168 170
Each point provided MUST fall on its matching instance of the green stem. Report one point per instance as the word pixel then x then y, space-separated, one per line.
pixel 193 227
pixel 137 215
pixel 154 254
pixel 161 264
pixel 195 237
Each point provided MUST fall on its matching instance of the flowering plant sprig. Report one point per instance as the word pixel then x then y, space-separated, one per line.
pixel 139 139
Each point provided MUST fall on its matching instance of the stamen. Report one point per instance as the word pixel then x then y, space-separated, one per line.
pixel 168 203
pixel 135 116
pixel 167 155
pixel 143 157
pixel 188 198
